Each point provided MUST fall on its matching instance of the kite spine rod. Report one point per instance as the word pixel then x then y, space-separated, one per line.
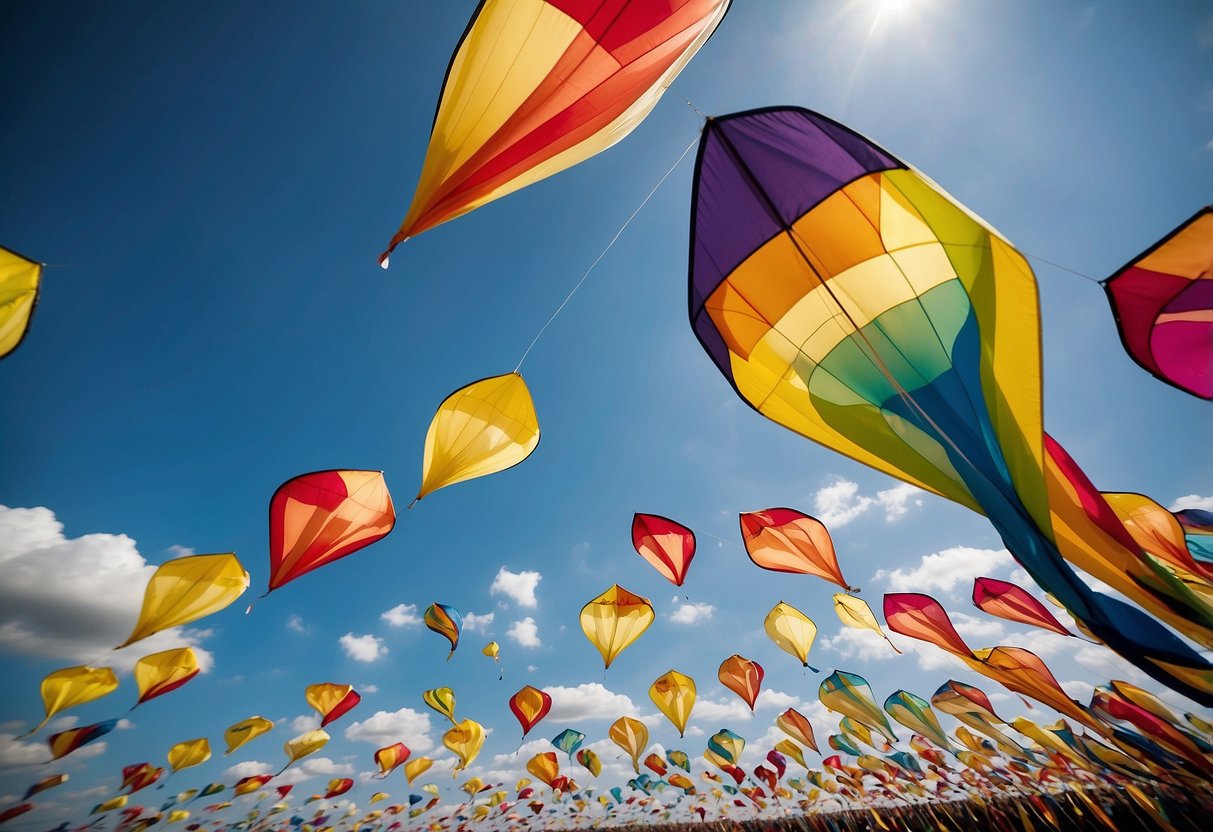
pixel 598 259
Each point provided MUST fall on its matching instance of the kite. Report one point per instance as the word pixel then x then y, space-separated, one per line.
pixel 245 730
pixel 530 705
pixel 667 545
pixel 590 761
pixel 15 811
pixel 922 617
pixel 614 620
pixel 1197 526
pixel 186 589
pixel 855 612
pixel 1008 601
pixel 324 516
pixel 655 764
pixel 915 713
pixel 441 700
pixel 447 622
pixel 139 776
pixel 189 753
pixel 110 805
pixel 303 745
pixel 390 757
pixel 725 748
pixel 20 282
pixel 797 726
pixel 44 784
pixel 569 741
pixel 538 86
pixel 160 673
pixel 742 676
pixel 72 686
pixel 679 758
pixel 248 785
pixel 632 736
pixel 486 427
pixel 415 768
pixel 789 749
pixel 65 742
pixel 850 695
pixel 792 631
pixel 1163 304
pixel 847 298
pixel 492 650
pixel 544 766
pixel 785 540
pixel 674 695
pixel 332 701
pixel 338 786
pixel 465 740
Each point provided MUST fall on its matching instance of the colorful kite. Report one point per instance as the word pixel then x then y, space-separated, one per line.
pixel 331 701
pixel 632 736
pixel 530 705
pixel 465 741
pixel 20 282
pixel 614 620
pixel 161 673
pixel 486 427
pixel 792 631
pixel 674 695
pixel 189 753
pixel 186 589
pixel 1008 601
pixel 855 612
pixel 72 686
pixel 65 742
pixel 324 516
pixel 850 695
pixel 441 700
pixel 536 86
pixel 742 676
pixel 793 723
pixel 785 540
pixel 245 730
pixel 447 622
pixel 390 757
pixel 846 297
pixel 1163 304
pixel 667 545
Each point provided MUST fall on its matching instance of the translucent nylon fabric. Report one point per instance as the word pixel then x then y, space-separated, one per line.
pixel 186 589
pixel 20 281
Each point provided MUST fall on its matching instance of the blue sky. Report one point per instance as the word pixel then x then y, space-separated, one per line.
pixel 211 185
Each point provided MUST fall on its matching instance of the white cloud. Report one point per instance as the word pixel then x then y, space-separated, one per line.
pixel 525 632
pixel 1192 500
pixel 368 689
pixel 520 586
pixel 720 711
pixel 402 615
pixel 768 698
pixel 295 623
pixel 588 701
pixel 897 501
pixel 474 623
pixel 15 753
pixel 367 648
pixel 530 668
pixel 307 722
pixel 384 728
pixel 840 502
pixel 692 613
pixel 947 570
pixel 75 598
pixel 181 551
pixel 860 645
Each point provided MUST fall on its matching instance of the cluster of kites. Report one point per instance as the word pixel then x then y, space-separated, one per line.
pixel 843 295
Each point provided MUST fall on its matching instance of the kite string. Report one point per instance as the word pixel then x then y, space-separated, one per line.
pixel 1060 266
pixel 598 259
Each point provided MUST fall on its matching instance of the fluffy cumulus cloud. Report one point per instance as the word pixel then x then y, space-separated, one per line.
pixel 402 615
pixel 525 632
pixel 474 623
pixel 1192 501
pixel 691 613
pixel 840 502
pixel 16 752
pixel 948 570
pixel 722 711
pixel 367 648
pixel 386 727
pixel 518 586
pixel 860 645
pixel 295 623
pixel 74 598
pixel 588 701
pixel 305 723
